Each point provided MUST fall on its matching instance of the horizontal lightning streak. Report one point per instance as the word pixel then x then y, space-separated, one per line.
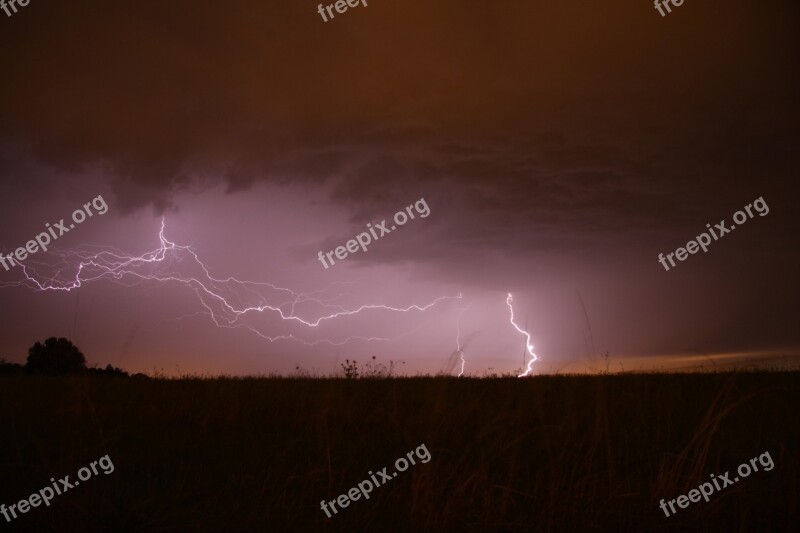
pixel 221 298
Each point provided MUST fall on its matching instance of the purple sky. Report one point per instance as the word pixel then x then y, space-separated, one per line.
pixel 560 149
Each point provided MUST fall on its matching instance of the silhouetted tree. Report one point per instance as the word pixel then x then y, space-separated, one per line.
pixel 110 371
pixel 54 357
pixel 10 368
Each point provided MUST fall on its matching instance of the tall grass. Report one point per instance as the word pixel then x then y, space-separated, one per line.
pixel 550 453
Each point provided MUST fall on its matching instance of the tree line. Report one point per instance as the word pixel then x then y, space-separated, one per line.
pixel 57 357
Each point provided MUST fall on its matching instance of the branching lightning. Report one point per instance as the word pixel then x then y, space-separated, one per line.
pixel 229 302
pixel 528 345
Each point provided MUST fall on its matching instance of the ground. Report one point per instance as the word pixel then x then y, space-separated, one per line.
pixel 550 453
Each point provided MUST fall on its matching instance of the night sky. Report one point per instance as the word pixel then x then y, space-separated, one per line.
pixel 560 147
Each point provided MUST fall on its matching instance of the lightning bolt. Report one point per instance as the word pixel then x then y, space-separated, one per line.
pixel 229 302
pixel 459 350
pixel 528 345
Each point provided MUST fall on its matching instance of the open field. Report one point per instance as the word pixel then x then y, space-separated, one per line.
pixel 547 453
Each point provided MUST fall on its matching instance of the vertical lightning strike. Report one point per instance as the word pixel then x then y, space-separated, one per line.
pixel 460 353
pixel 528 345
pixel 459 350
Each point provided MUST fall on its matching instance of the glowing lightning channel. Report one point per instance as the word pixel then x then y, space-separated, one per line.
pixel 528 345
pixel 459 350
pixel 223 299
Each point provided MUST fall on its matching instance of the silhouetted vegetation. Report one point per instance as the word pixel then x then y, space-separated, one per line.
pixel 350 369
pixel 55 357
pixel 110 371
pixel 373 369
pixel 58 357
pixel 549 453
pixel 10 368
